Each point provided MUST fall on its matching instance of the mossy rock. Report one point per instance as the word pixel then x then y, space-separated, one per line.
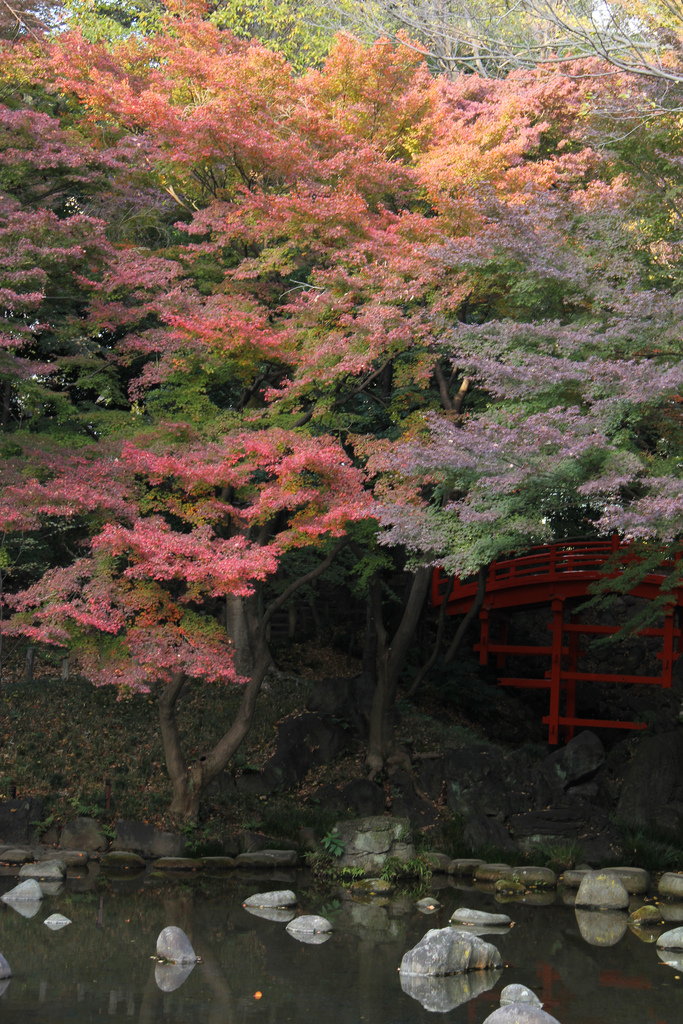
pixel 122 860
pixel 646 916
pixel 177 864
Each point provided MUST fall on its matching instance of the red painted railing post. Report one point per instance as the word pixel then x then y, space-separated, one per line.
pixel 555 673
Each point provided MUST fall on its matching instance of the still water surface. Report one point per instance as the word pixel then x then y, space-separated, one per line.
pixel 99 968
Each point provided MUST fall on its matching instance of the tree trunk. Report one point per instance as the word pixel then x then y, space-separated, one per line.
pixel 190 781
pixel 238 633
pixel 391 658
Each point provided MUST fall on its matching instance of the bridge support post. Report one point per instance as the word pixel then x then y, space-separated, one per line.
pixel 484 637
pixel 556 673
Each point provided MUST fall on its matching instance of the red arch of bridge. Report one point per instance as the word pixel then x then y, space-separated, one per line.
pixel 555 574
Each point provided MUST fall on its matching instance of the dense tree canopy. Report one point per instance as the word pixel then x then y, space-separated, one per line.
pixel 250 312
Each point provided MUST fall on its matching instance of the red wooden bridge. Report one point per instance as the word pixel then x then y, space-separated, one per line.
pixel 558 575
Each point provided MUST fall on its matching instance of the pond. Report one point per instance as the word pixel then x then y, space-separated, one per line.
pixel 251 970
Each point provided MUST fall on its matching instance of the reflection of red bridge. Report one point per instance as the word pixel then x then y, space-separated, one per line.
pixel 556 574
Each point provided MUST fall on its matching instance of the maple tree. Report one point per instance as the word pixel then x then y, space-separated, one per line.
pixel 275 306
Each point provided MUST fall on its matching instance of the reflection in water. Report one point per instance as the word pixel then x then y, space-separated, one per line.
pixel 27 908
pixel 4 985
pixel 601 927
pixel 169 977
pixel 252 973
pixel 671 958
pixel 311 938
pixel 282 914
pixel 442 994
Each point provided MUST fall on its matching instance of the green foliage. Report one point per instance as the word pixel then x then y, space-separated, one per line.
pixel 333 843
pixel 650 849
pixel 396 870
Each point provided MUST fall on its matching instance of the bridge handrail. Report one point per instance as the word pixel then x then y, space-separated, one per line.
pixel 562 559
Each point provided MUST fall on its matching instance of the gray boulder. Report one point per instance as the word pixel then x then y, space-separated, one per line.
pixel 672 939
pixel 18 820
pixel 427 905
pixel 636 880
pixel 443 994
pixel 652 792
pixel 5 969
pixel 578 761
pixel 50 870
pixel 449 951
pixel 83 834
pixel 147 841
pixel 277 898
pixel 519 994
pixel 28 890
pixel 309 924
pixel 369 842
pixel 174 946
pixel 520 1013
pixel 603 890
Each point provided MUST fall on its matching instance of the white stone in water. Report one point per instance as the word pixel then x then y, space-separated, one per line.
pixel 310 924
pixel 173 945
pixel 462 917
pixel 519 994
pixel 278 898
pixel 29 890
pixel 56 921
pixel 672 939
pixel 169 977
pixel 311 938
pixel 5 969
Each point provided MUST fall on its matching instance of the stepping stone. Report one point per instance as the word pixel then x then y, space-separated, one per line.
pixel 492 872
pixel 122 860
pixel 463 918
pixel 439 862
pixel 25 908
pixel 16 857
pixel 671 884
pixel 56 921
pixel 268 859
pixel 218 863
pixel 277 898
pixel 636 880
pixel 464 866
pixel 174 946
pixel 29 890
pixel 516 1013
pixel 574 877
pixel 177 864
pixel 51 870
pixel 535 877
pixel 5 969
